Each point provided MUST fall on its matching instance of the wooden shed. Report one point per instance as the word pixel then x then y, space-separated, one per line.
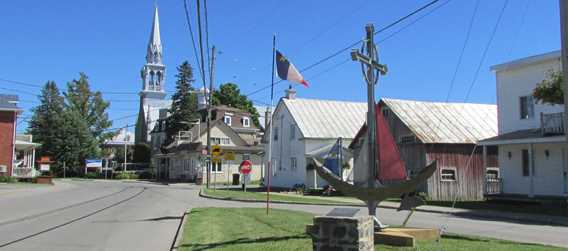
pixel 447 132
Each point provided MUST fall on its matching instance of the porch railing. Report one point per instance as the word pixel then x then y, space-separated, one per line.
pixel 492 186
pixel 25 172
pixel 552 123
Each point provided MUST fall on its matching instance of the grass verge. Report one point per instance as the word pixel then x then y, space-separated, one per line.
pixel 252 229
pixel 234 194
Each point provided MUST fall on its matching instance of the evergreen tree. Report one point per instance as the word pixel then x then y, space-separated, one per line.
pixel 229 94
pixel 90 106
pixel 184 103
pixel 47 120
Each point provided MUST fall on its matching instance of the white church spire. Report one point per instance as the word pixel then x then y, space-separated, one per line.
pixel 154 53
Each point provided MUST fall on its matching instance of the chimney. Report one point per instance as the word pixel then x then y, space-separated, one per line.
pixel 290 93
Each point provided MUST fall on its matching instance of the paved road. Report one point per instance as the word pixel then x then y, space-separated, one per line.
pixel 99 215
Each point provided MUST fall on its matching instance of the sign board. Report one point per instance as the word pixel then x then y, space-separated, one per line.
pixel 44 167
pixel 229 155
pixel 245 167
pixel 204 152
pixel 94 163
pixel 216 150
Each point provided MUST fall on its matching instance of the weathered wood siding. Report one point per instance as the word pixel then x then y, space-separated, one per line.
pixel 470 173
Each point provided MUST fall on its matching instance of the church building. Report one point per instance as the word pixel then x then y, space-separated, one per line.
pixel 153 95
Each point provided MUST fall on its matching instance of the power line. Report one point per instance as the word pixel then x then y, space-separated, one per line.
pixel 486 49
pixel 187 19
pixel 324 59
pixel 452 82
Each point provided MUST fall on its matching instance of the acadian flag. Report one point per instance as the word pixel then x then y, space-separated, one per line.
pixel 287 71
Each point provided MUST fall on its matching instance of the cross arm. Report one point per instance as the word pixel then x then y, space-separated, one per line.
pixel 356 56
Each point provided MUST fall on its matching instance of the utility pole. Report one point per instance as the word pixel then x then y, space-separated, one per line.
pixel 125 148
pixel 371 70
pixel 564 43
pixel 563 6
pixel 209 105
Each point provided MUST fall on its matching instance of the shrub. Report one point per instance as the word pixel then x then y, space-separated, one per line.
pixel 125 176
pixel 299 188
pixel 147 175
pixel 7 179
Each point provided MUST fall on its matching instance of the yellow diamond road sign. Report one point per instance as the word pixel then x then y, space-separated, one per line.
pixel 216 159
pixel 216 151
pixel 230 155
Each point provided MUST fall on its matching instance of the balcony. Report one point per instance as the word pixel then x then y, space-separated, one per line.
pixel 552 123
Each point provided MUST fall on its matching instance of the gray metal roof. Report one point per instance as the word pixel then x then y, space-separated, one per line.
pixel 317 118
pixel 435 122
pixel 9 102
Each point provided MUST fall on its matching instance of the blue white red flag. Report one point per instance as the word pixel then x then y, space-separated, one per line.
pixel 287 71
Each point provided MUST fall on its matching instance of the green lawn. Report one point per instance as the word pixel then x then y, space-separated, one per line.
pixel 252 195
pixel 252 229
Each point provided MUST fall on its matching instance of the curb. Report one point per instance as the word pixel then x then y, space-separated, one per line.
pixel 179 233
pixel 486 215
pixel 201 194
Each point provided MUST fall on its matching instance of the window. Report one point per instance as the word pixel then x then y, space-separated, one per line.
pixel 293 163
pixel 407 139
pixel 292 131
pixel 246 122
pixel 275 131
pixel 526 107
pixel 448 174
pixel 385 113
pixel 492 173
pixel 246 156
pixel 227 120
pixel 220 141
pixel 525 160
pixel 217 167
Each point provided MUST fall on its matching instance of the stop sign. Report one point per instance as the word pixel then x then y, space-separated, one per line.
pixel 245 167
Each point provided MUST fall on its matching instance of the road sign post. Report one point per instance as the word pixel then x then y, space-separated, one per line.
pixel 245 168
pixel 216 154
pixel 229 156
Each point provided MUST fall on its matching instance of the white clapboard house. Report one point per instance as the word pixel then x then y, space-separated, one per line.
pixel 305 127
pixel 531 141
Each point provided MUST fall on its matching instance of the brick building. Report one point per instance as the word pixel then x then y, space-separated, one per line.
pixel 8 114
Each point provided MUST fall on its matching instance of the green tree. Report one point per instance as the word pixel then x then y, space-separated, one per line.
pixel 549 90
pixel 142 153
pixel 184 103
pixel 47 120
pixel 90 106
pixel 77 141
pixel 229 94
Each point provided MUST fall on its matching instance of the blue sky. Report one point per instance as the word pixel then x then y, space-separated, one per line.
pixel 56 39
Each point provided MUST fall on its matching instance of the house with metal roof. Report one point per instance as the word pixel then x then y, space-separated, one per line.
pixel 448 133
pixel 303 127
pixel 532 140
pixel 185 158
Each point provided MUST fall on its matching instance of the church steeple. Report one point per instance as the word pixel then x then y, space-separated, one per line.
pixel 154 53
pixel 154 69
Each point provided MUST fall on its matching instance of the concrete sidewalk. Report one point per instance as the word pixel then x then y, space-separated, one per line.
pixel 470 213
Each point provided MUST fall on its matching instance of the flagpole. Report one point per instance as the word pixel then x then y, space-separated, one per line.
pixel 269 171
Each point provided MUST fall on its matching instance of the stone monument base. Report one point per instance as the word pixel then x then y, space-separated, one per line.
pixel 405 237
pixel 342 233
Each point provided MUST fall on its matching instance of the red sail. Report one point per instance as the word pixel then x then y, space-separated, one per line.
pixel 391 167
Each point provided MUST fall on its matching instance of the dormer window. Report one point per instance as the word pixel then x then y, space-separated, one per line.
pixel 227 120
pixel 246 122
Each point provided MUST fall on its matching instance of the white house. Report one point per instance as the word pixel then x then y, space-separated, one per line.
pixel 304 126
pixel 532 146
